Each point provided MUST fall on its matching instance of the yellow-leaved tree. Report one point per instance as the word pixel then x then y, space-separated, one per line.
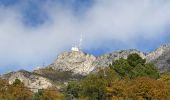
pixel 142 88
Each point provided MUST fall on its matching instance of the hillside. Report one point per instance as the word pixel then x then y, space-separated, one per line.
pixel 75 65
pixel 160 57
pixel 30 80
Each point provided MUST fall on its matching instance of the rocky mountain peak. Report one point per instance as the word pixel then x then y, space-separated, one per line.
pixel 160 57
pixel 158 52
pixel 77 62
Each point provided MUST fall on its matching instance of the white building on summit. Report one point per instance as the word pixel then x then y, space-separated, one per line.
pixel 75 48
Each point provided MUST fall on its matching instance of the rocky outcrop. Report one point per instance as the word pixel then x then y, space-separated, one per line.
pixel 81 63
pixel 160 57
pixel 77 62
pixel 106 59
pixel 29 79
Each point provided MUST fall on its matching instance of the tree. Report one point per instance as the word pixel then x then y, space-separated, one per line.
pixel 17 82
pixel 165 77
pixel 73 89
pixel 108 74
pixel 134 59
pixel 150 88
pixel 118 90
pixel 18 91
pixel 48 94
pixel 151 70
pixel 147 70
pixel 3 89
pixel 122 67
pixel 134 66
pixel 94 87
pixel 143 88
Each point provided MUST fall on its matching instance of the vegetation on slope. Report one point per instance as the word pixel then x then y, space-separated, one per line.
pixel 124 79
pixel 17 91
pixel 57 75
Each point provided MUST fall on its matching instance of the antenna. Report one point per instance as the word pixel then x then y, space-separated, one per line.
pixel 80 41
pixel 78 46
pixel 43 64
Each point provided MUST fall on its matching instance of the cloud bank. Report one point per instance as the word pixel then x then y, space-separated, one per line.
pixel 33 33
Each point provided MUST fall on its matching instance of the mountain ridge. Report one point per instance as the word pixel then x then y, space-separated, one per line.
pixel 74 65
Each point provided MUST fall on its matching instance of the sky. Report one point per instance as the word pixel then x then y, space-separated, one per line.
pixel 34 32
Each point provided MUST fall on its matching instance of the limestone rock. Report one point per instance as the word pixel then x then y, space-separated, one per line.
pixel 160 57
pixel 29 79
pixel 77 62
pixel 107 59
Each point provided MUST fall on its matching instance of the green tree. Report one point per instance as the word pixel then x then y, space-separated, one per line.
pixel 151 70
pixel 134 59
pixel 108 74
pixel 147 70
pixel 134 66
pixel 94 87
pixel 73 89
pixel 17 82
pixel 122 67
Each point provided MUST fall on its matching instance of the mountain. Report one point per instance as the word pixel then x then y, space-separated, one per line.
pixel 106 59
pixel 74 65
pixel 29 79
pixel 77 62
pixel 82 63
pixel 160 57
pixel 57 76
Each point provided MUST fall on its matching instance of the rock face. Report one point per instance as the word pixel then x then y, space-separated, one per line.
pixel 81 63
pixel 106 59
pixel 29 79
pixel 77 62
pixel 160 57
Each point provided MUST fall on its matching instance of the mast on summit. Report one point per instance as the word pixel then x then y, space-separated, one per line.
pixel 78 47
pixel 80 41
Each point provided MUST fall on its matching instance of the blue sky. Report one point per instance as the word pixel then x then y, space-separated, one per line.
pixel 34 32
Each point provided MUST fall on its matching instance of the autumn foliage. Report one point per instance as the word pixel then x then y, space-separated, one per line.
pixel 139 89
pixel 17 91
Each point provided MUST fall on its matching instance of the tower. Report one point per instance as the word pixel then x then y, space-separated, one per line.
pixel 80 41
pixel 77 47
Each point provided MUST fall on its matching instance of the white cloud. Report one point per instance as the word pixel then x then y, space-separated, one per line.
pixel 115 20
